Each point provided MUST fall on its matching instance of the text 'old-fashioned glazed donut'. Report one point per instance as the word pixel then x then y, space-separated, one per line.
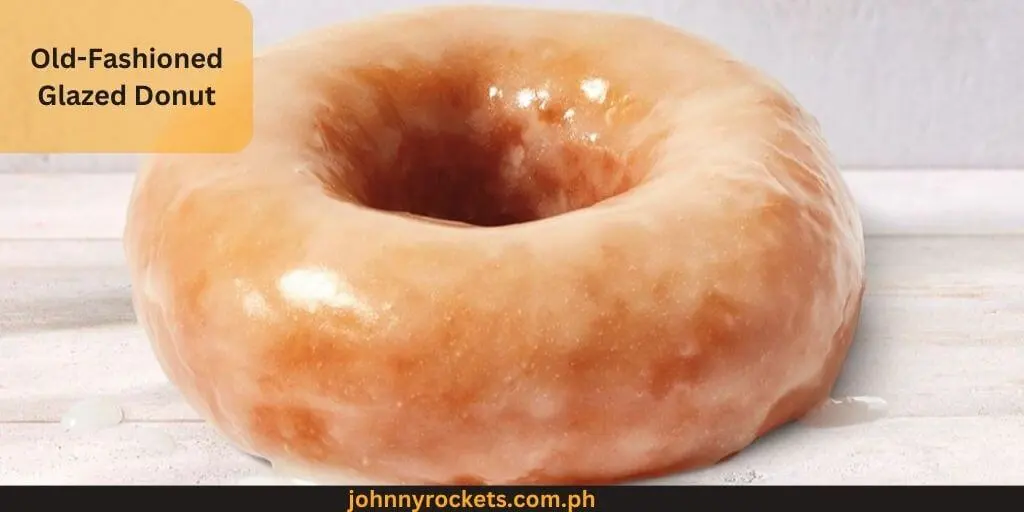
pixel 498 245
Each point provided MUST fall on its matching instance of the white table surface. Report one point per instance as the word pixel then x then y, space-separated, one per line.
pixel 941 341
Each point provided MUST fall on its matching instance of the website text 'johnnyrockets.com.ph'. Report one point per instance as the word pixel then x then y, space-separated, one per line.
pixel 371 499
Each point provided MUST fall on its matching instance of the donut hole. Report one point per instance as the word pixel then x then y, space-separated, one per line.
pixel 447 144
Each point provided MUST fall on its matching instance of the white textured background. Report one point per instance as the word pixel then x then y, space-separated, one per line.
pixel 908 84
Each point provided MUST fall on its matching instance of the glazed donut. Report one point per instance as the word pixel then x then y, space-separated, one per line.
pixel 493 245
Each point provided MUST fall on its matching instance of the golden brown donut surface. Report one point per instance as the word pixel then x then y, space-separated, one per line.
pixel 643 257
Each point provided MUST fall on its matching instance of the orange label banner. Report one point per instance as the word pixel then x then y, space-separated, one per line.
pixel 125 76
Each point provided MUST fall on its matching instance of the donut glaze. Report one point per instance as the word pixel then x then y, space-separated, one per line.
pixel 497 245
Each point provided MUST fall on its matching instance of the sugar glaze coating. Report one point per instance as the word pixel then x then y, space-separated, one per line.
pixel 500 245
